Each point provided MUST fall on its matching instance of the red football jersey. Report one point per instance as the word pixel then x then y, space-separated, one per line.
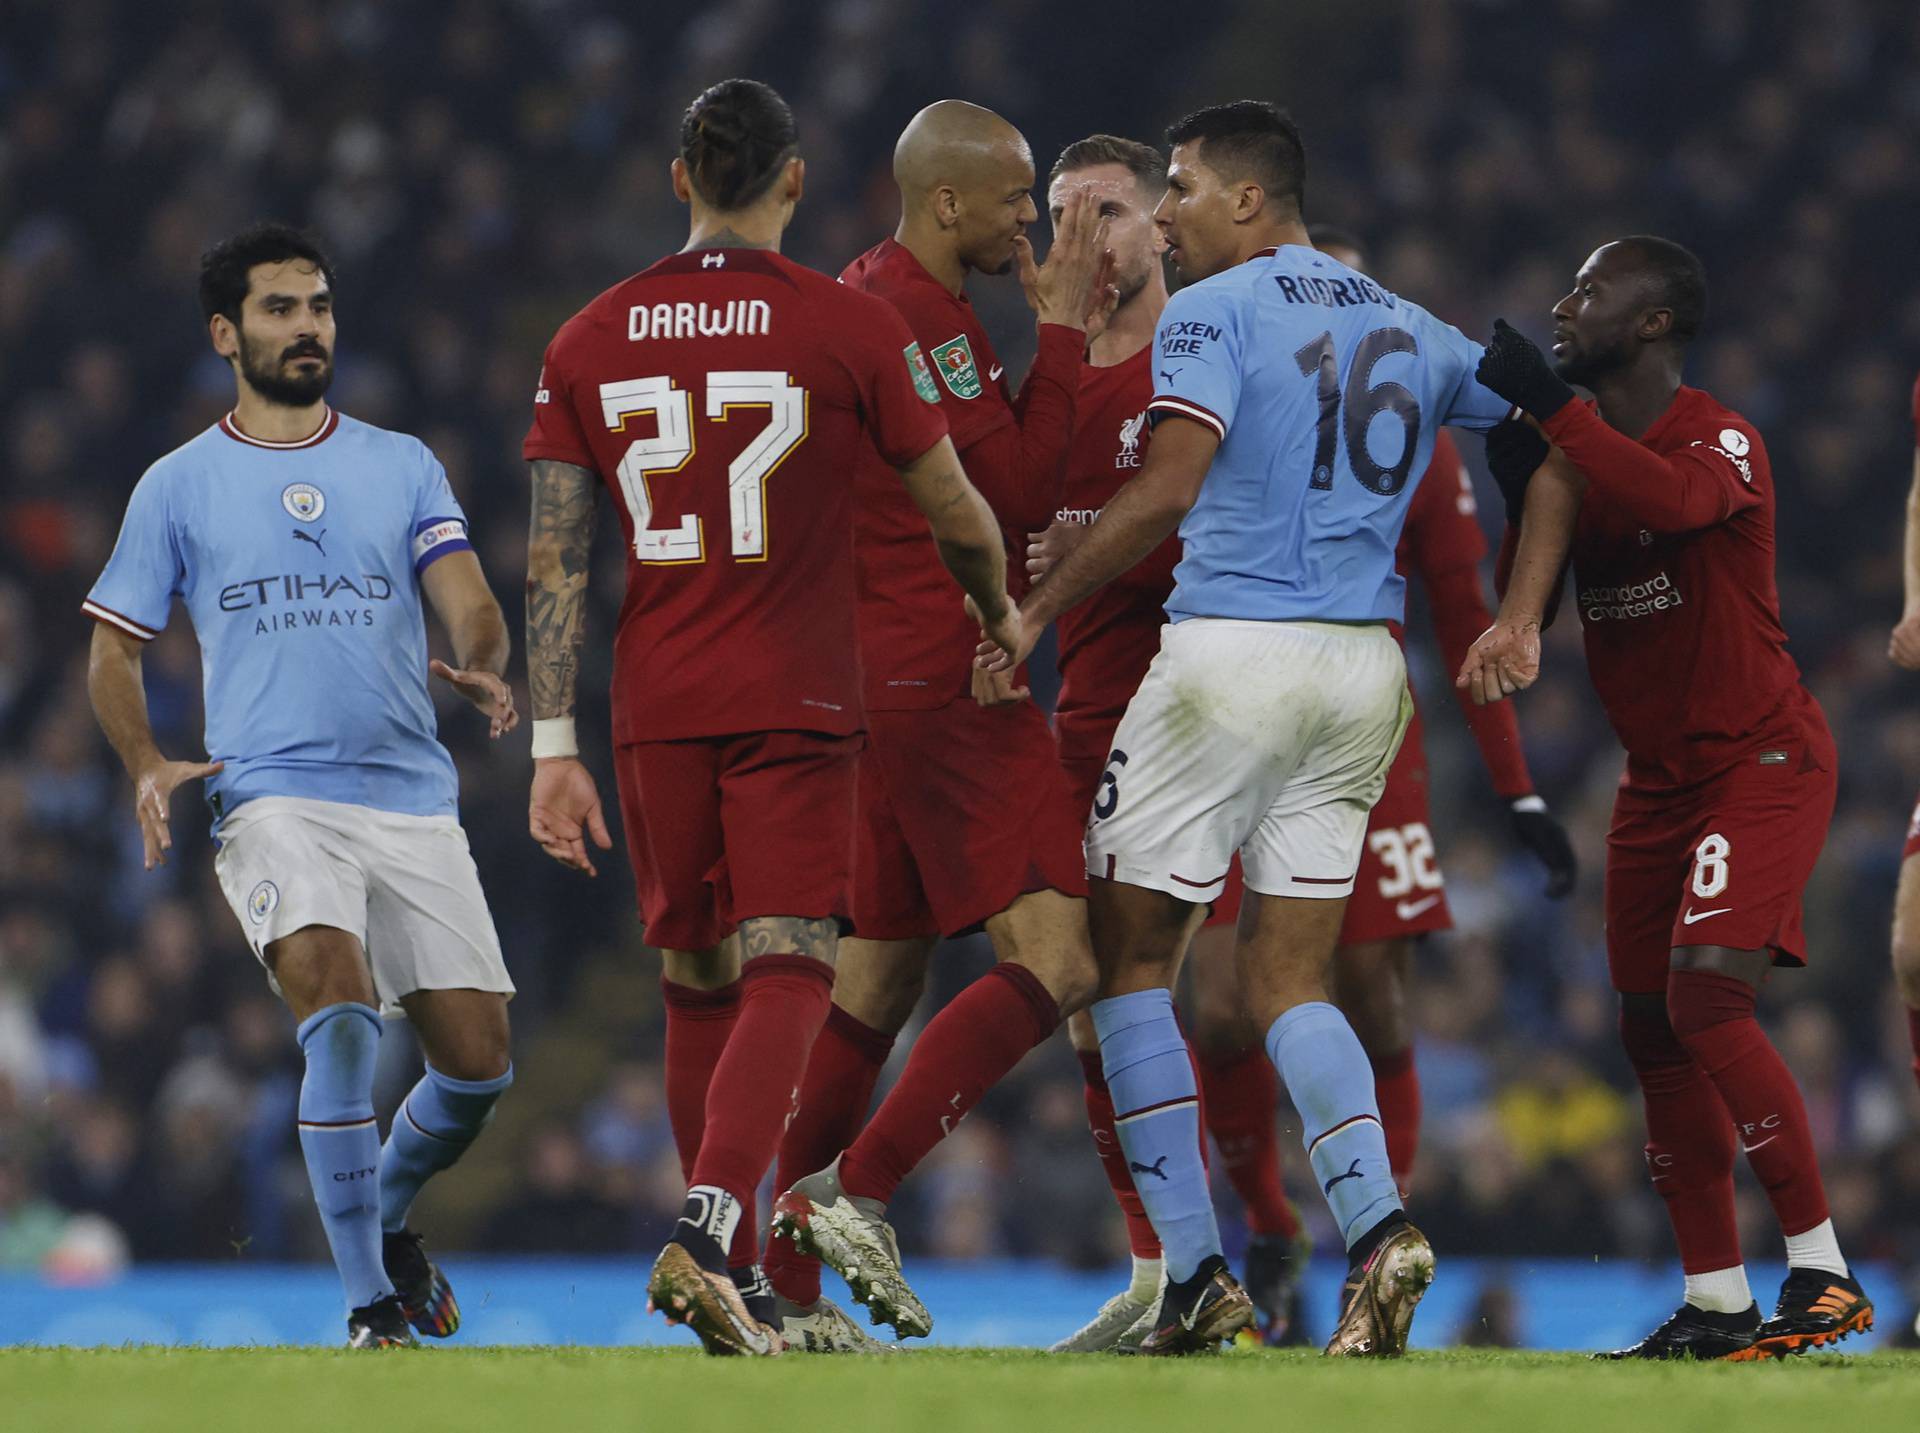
pixel 915 640
pixel 1107 641
pixel 1673 562
pixel 726 397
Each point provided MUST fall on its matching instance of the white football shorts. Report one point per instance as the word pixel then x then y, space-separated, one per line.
pixel 1272 739
pixel 404 886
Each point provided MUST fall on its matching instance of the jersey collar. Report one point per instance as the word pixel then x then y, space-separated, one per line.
pixel 319 435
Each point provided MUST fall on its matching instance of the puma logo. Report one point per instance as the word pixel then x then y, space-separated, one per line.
pixel 1156 1168
pixel 301 536
pixel 1353 1172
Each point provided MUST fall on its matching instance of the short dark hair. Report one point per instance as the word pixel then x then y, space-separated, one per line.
pixel 1145 163
pixel 1678 279
pixel 1332 236
pixel 224 269
pixel 1249 139
pixel 733 140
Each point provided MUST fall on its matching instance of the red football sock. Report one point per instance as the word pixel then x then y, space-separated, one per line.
pixel 1913 1033
pixel 783 1001
pixel 1396 1085
pixel 1689 1139
pixel 1712 1014
pixel 1141 1239
pixel 698 1024
pixel 965 1051
pixel 841 1072
pixel 1242 1107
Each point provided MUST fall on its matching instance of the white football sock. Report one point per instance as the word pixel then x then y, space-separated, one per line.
pixel 1818 1248
pixel 1720 1291
pixel 1146 1279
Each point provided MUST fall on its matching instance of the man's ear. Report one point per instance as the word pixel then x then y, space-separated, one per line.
pixel 1248 201
pixel 796 179
pixel 225 335
pixel 682 185
pixel 1655 324
pixel 946 205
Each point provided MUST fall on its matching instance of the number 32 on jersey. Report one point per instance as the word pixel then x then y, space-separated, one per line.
pixel 675 442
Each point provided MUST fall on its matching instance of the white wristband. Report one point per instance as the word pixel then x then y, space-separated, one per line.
pixel 1527 804
pixel 554 737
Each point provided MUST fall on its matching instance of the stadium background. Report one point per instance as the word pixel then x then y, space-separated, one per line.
pixel 480 169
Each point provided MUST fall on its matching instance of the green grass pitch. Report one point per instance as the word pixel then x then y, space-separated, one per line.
pixel 562 1390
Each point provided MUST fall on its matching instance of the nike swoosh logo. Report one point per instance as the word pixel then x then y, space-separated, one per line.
pixel 993 375
pixel 1750 1148
pixel 1691 916
pixel 1407 910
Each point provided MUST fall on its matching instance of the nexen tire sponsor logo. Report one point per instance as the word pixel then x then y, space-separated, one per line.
pixel 1635 599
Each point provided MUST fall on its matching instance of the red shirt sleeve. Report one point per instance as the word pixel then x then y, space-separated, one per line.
pixel 556 433
pixel 898 394
pixel 1444 547
pixel 1021 469
pixel 1631 486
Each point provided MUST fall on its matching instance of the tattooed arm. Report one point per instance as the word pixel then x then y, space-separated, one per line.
pixel 565 805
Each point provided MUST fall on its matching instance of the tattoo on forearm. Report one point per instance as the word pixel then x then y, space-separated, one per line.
pixel 789 935
pixel 558 546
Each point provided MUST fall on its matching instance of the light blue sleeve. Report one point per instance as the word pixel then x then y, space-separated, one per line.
pixel 1465 404
pixel 1196 357
pixel 439 524
pixel 136 591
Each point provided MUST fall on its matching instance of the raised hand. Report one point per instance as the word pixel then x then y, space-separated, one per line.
pixel 563 810
pixel 1904 648
pixel 1518 371
pixel 485 690
pixel 1503 660
pixel 153 795
pixel 1046 549
pixel 1067 288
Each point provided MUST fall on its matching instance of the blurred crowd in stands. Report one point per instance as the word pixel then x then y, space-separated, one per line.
pixel 480 169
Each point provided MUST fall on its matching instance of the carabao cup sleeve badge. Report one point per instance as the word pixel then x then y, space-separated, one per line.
pixel 954 359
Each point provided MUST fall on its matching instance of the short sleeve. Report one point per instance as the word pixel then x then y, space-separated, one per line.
pixel 439 524
pixel 898 392
pixel 1196 358
pixel 1468 405
pixel 556 434
pixel 136 591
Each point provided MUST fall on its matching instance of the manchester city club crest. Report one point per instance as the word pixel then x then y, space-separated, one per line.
pixel 303 501
pixel 262 901
pixel 954 359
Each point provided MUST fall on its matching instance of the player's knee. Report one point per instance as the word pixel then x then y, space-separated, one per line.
pixel 1906 961
pixel 1068 972
pixel 1699 1002
pixel 1648 1036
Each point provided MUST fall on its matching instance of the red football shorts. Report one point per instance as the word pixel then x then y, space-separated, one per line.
pixel 727 827
pixel 962 810
pixel 1720 863
pixel 1398 893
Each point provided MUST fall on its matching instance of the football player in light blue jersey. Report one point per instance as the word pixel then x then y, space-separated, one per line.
pixel 1295 403
pixel 300 542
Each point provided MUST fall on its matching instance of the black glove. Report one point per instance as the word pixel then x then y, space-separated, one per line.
pixel 1518 372
pixel 1535 828
pixel 1515 451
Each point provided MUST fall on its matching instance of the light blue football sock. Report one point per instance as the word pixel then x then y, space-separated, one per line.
pixel 1156 1109
pixel 342 1143
pixel 1327 1074
pixel 436 1122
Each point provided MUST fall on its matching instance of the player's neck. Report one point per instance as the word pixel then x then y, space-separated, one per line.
pixel 1131 327
pixel 1260 237
pixel 935 254
pixel 1632 399
pixel 276 422
pixel 735 231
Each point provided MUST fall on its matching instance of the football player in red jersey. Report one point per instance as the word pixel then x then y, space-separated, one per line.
pixel 1905 651
pixel 1730 777
pixel 964 817
pixel 1105 647
pixel 724 396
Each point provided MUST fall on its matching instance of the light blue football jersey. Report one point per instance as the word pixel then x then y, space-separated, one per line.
pixel 300 565
pixel 1326 391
